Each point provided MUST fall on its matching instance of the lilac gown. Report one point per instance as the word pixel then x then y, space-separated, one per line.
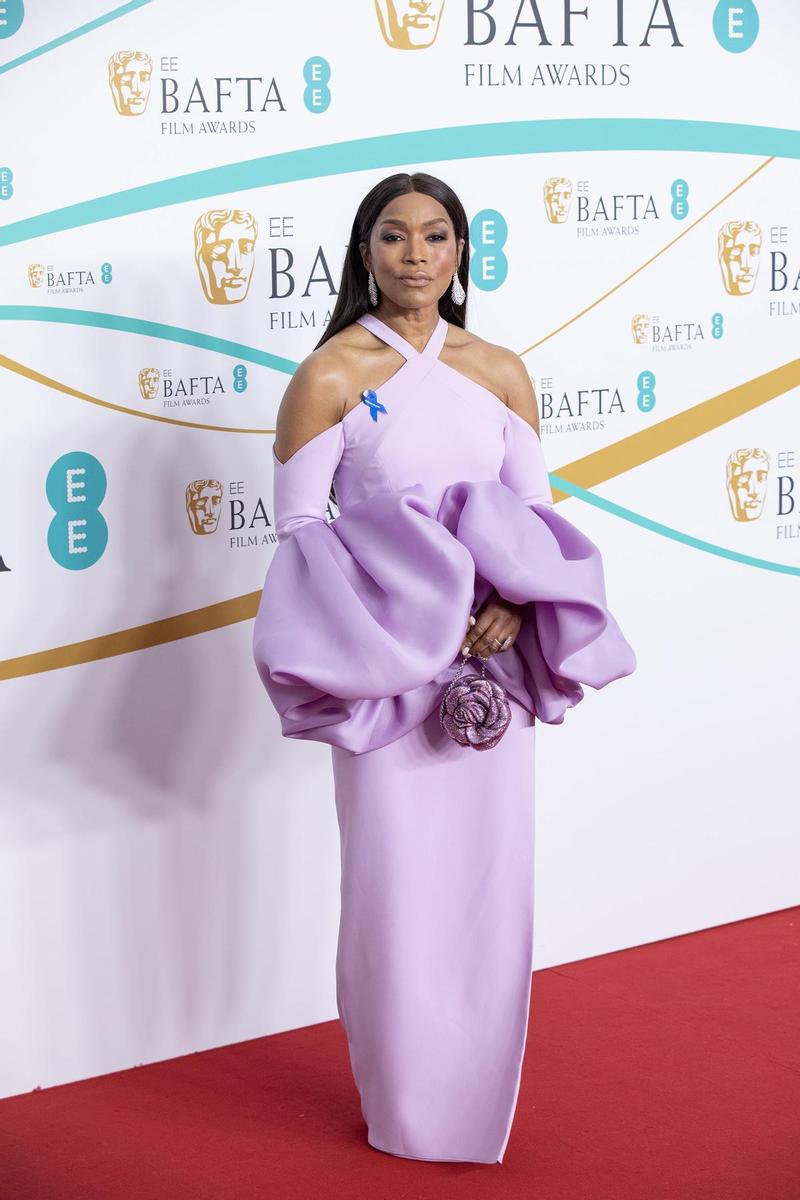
pixel 443 495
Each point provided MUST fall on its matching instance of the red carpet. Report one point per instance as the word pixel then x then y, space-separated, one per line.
pixel 665 1071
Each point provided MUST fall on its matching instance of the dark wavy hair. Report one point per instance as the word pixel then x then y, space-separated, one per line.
pixel 353 298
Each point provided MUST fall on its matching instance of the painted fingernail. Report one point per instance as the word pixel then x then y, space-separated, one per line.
pixel 472 620
pixel 465 649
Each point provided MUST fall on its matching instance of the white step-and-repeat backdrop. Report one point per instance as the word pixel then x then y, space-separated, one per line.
pixel 177 183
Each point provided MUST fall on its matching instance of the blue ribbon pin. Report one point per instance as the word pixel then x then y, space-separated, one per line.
pixel 370 398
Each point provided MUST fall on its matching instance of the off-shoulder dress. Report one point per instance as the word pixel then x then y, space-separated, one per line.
pixel 442 495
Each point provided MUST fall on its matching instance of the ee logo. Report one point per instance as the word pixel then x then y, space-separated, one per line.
pixel 646 394
pixel 488 264
pixel 735 24
pixel 317 76
pixel 12 14
pixel 76 486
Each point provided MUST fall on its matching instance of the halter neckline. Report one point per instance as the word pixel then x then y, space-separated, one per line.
pixel 393 338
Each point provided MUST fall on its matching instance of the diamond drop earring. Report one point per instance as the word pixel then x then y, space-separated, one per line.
pixel 372 289
pixel 457 290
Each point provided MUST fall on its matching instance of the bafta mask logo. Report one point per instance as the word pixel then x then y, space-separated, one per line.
pixel 409 24
pixel 129 73
pixel 739 251
pixel 35 274
pixel 557 197
pixel 224 250
pixel 203 501
pixel 640 324
pixel 746 474
pixel 149 378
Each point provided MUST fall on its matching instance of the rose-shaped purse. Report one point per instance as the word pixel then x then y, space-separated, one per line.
pixel 474 710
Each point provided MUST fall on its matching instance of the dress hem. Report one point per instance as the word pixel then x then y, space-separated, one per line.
pixel 486 1162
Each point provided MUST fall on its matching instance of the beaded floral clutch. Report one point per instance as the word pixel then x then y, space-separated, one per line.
pixel 474 710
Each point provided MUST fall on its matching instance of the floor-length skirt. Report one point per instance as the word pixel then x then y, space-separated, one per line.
pixel 435 950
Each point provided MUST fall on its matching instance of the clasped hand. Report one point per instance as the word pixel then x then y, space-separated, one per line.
pixel 493 623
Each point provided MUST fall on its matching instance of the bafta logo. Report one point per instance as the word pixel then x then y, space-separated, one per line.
pixel 409 24
pixel 35 274
pixel 557 196
pixel 640 324
pixel 129 74
pixel 746 481
pixel 203 500
pixel 738 251
pixel 224 250
pixel 149 378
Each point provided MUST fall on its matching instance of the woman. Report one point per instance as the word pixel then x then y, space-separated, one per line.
pixel 446 545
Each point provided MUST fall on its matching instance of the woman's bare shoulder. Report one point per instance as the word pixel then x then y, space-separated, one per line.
pixel 336 361
pixel 320 390
pixel 508 371
pixel 498 357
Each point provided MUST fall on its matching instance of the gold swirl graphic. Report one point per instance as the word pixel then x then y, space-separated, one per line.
pixel 637 270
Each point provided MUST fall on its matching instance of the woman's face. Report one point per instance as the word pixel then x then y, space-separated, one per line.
pixel 413 236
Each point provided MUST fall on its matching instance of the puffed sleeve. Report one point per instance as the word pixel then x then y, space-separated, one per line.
pixel 361 616
pixel 545 564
